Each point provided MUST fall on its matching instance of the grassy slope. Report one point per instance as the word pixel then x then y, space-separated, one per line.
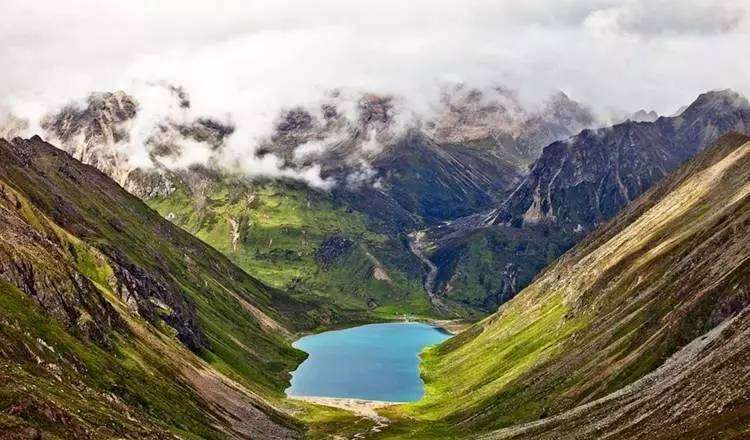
pixel 58 381
pixel 287 226
pixel 247 325
pixel 660 274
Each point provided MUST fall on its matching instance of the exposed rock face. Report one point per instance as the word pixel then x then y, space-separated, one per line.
pixel 402 173
pixel 589 178
pixel 496 119
pixel 36 261
pixel 574 187
pixel 94 133
pixel 61 290
pixel 154 299
pixel 644 116
pixel 375 111
pixel 469 114
pixel 89 132
pixel 663 288
pixel 83 261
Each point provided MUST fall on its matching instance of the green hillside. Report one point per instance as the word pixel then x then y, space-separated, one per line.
pixel 670 268
pixel 144 315
pixel 296 239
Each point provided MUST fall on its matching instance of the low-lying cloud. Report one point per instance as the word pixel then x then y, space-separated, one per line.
pixel 242 62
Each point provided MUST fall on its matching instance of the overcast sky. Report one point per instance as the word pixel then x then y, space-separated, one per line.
pixel 250 58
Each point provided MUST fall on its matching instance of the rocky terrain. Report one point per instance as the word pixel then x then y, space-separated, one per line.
pixel 638 331
pixel 495 119
pixel 392 173
pixel 110 313
pixel 575 186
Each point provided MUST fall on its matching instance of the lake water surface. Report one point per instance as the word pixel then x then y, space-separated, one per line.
pixel 375 361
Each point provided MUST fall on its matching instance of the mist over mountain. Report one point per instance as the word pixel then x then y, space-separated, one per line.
pixel 243 220
pixel 335 142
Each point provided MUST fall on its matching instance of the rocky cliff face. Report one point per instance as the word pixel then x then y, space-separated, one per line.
pixel 400 171
pixel 36 261
pixel 496 119
pixel 574 187
pixel 581 182
pixel 102 132
pixel 90 132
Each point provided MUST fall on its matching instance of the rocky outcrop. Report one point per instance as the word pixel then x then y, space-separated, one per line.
pixel 644 116
pixel 495 119
pixel 581 182
pixel 89 131
pixel 39 263
pixel 574 187
pixel 101 295
pixel 155 300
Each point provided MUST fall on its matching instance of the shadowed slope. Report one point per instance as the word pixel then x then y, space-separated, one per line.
pixel 115 322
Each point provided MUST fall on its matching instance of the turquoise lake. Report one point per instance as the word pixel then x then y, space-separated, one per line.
pixel 375 362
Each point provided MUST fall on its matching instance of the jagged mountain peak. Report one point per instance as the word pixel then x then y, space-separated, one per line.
pixel 725 99
pixel 608 167
pixel 671 268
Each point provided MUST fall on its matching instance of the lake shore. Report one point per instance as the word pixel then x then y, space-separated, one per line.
pixel 362 407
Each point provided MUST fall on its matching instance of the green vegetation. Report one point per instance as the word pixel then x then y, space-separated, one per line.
pixel 603 315
pixel 139 375
pixel 131 294
pixel 278 229
pixel 325 422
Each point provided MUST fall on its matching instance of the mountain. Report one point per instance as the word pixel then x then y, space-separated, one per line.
pixel 391 172
pixel 575 186
pixel 496 120
pixel 111 315
pixel 590 177
pixel 640 331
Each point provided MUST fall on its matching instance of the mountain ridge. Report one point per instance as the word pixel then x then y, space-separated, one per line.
pixel 111 314
pixel 575 185
pixel 669 269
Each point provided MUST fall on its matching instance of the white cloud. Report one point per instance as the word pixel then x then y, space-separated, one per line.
pixel 246 60
pixel 308 150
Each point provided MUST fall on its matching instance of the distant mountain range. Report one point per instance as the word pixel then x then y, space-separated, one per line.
pixel 498 190
pixel 575 186
pixel 398 172
pixel 116 321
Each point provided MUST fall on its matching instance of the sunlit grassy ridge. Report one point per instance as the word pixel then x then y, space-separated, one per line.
pixel 614 308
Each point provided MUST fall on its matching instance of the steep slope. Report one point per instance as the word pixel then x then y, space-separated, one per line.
pixel 494 119
pixel 393 173
pixel 575 185
pixel 110 315
pixel 672 268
